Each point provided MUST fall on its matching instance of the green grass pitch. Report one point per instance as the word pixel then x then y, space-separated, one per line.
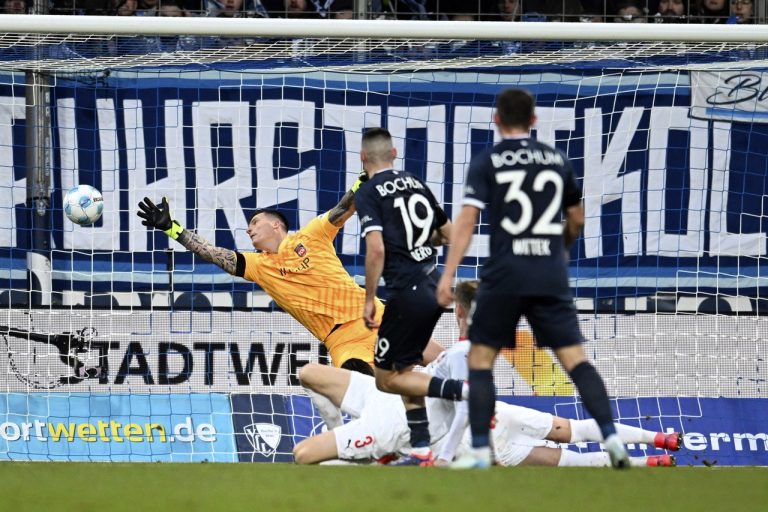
pixel 165 487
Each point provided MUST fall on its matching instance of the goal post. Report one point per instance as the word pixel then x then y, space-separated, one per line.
pixel 143 352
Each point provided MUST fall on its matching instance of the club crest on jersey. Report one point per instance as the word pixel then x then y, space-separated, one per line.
pixel 300 250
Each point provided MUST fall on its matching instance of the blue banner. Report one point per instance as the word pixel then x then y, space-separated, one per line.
pixel 116 428
pixel 717 431
pixel 672 202
pixel 263 428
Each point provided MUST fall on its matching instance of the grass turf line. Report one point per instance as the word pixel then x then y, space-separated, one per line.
pixel 283 487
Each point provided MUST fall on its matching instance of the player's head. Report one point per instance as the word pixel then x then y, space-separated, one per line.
pixel 357 365
pixel 377 151
pixel 267 226
pixel 463 295
pixel 514 110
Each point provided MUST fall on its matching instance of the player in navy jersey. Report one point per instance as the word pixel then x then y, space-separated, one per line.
pixel 526 187
pixel 402 222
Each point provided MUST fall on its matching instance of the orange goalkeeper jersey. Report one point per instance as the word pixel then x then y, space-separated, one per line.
pixel 307 280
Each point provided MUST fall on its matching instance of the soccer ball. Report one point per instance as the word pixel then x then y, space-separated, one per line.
pixel 83 204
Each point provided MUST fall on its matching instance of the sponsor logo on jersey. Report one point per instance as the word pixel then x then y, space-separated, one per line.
pixel 300 250
pixel 365 219
pixel 300 268
pixel 264 437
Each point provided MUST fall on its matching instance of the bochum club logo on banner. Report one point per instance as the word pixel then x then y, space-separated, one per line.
pixel 264 437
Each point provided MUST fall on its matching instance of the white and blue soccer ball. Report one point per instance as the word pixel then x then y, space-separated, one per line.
pixel 83 204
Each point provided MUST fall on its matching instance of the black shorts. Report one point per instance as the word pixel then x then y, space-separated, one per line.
pixel 409 319
pixel 553 320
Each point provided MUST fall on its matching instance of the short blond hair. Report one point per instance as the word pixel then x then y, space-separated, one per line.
pixel 465 293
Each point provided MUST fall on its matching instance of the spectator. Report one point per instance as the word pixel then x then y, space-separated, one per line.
pixel 125 7
pixel 297 9
pixel 713 11
pixel 147 8
pixel 630 11
pixel 342 10
pixel 235 9
pixel 509 10
pixel 172 9
pixel 555 10
pixel 742 11
pixel 672 11
pixel 14 7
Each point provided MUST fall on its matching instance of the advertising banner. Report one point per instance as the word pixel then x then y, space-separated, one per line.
pixel 116 428
pixel 717 431
pixel 673 202
pixel 262 352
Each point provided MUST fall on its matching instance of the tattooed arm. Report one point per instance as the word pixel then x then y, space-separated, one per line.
pixel 224 258
pixel 159 217
pixel 339 214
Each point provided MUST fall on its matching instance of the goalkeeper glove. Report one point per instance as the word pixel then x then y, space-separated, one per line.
pixel 159 217
pixel 361 178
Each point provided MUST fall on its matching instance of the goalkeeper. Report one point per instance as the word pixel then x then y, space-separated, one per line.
pixel 300 271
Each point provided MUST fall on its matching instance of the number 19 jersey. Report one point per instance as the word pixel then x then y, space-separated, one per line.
pixel 526 186
pixel 401 206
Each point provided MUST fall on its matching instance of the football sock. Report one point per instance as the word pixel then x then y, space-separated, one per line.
pixel 419 426
pixel 481 404
pixel 630 434
pixel 593 394
pixel 587 430
pixel 593 459
pixel 449 389
pixel 330 413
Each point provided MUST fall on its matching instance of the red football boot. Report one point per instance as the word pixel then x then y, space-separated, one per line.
pixel 668 441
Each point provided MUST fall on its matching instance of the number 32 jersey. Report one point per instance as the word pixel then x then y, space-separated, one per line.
pixel 403 208
pixel 526 186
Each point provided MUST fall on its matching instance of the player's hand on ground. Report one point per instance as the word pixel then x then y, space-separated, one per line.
pixel 155 216
pixel 369 314
pixel 444 291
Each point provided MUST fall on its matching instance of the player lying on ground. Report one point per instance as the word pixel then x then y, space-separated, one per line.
pixel 524 423
pixel 379 425
pixel 300 271
pixel 379 428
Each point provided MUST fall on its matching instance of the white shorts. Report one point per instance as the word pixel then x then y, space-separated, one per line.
pixel 518 430
pixel 379 427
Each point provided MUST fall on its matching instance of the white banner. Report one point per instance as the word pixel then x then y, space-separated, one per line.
pixel 740 95
pixel 260 352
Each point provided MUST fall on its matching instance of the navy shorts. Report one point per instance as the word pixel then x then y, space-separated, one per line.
pixel 553 320
pixel 410 316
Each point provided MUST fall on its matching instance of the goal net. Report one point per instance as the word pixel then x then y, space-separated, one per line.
pixel 119 345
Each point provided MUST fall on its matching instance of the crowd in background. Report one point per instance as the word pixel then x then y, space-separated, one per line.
pixel 634 11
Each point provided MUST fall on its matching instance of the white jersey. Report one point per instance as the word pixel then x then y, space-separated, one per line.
pixel 450 364
pixel 379 426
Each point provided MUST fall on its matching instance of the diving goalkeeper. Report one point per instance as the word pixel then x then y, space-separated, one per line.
pixel 300 271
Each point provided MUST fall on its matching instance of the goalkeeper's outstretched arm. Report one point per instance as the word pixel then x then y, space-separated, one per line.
pixel 159 216
pixel 339 214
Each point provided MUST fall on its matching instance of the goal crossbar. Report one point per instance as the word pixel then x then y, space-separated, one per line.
pixel 381 29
